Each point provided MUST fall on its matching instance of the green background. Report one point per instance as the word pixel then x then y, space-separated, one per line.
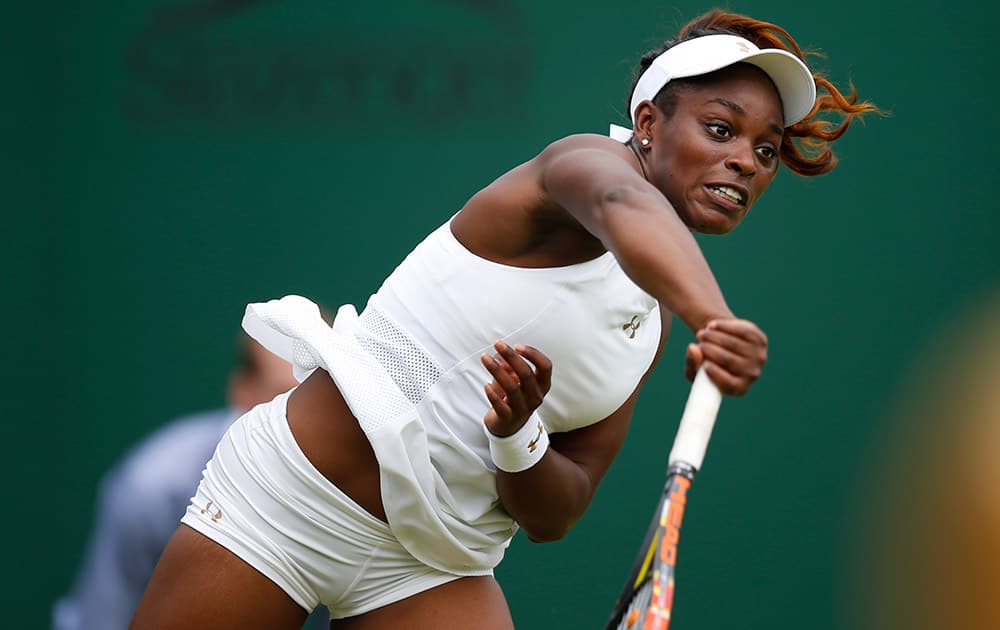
pixel 168 162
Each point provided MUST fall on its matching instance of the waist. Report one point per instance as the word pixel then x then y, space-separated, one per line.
pixel 332 440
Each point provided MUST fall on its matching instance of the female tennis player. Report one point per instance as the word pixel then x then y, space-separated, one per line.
pixel 489 382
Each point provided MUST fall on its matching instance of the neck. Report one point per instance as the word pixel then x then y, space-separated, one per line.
pixel 640 155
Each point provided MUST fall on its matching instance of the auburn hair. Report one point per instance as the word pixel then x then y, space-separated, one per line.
pixel 805 146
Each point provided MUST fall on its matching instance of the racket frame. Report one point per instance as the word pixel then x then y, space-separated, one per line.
pixel 652 573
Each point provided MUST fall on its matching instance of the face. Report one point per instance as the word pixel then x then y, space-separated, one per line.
pixel 260 377
pixel 718 152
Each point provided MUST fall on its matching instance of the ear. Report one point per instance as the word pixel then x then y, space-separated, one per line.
pixel 646 116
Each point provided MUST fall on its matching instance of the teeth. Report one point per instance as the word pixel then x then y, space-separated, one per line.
pixel 730 193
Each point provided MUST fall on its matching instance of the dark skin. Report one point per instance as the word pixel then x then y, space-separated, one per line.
pixel 702 170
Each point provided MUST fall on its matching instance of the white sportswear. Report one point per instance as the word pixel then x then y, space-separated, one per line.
pixel 410 371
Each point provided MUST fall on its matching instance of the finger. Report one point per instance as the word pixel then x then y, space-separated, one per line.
pixel 692 361
pixel 742 366
pixel 500 371
pixel 510 371
pixel 498 402
pixel 503 365
pixel 740 327
pixel 506 379
pixel 497 415
pixel 529 389
pixel 733 343
pixel 543 365
pixel 725 381
pixel 521 367
pixel 728 383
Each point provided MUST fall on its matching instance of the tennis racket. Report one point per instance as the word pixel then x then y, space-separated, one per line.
pixel 647 599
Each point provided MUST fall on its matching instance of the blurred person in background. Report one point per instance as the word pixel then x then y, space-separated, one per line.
pixel 931 553
pixel 142 498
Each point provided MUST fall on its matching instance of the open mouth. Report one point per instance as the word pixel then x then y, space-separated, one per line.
pixel 728 193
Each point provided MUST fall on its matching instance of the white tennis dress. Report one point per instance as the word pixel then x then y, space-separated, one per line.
pixel 409 368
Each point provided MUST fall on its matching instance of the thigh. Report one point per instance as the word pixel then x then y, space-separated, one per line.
pixel 199 583
pixel 473 603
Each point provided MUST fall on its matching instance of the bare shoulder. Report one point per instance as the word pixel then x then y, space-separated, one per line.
pixel 522 186
pixel 514 220
pixel 579 168
pixel 582 142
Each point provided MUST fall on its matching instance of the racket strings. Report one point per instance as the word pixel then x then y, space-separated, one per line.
pixel 637 607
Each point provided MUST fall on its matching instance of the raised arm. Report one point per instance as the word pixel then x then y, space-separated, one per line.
pixel 600 184
pixel 594 180
pixel 597 184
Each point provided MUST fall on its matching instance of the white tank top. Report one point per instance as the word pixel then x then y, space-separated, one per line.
pixel 409 369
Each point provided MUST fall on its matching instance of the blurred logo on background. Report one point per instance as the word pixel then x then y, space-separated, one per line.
pixel 355 68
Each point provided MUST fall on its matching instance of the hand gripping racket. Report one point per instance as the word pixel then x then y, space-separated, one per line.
pixel 647 599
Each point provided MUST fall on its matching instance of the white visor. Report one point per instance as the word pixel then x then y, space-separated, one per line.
pixel 701 55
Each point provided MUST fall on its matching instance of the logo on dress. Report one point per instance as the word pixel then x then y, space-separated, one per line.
pixel 632 326
pixel 208 510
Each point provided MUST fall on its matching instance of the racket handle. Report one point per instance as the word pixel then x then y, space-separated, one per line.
pixel 696 424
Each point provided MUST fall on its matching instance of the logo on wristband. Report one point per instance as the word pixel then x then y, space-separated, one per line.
pixel 532 444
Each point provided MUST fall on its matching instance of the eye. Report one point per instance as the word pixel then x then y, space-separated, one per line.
pixel 767 153
pixel 719 129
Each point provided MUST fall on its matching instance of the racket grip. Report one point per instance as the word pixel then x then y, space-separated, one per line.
pixel 697 422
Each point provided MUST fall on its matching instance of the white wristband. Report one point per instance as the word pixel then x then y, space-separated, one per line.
pixel 523 449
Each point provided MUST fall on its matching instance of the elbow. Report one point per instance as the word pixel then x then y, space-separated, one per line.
pixel 622 194
pixel 615 210
pixel 547 532
pixel 545 536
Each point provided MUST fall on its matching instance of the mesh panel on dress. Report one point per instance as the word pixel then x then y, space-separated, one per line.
pixel 407 364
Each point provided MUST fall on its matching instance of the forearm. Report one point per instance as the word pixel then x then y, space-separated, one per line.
pixel 555 483
pixel 548 498
pixel 659 254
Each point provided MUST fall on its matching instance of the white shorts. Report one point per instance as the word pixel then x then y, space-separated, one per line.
pixel 264 501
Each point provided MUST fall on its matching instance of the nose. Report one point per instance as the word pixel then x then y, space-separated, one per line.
pixel 741 160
